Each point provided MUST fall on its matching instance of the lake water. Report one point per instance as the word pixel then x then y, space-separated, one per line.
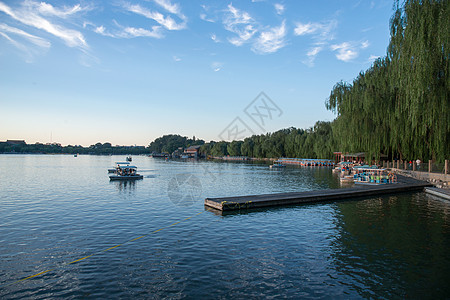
pixel 57 209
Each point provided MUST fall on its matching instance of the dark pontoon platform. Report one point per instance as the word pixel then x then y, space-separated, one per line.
pixel 280 199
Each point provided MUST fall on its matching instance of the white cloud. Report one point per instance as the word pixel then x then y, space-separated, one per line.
pixel 303 29
pixel 314 51
pixel 348 51
pixel 142 32
pixel 29 15
pixel 279 8
pixel 311 55
pixel 216 66
pixel 372 58
pixel 127 31
pixel 165 21
pixel 215 38
pixel 240 23
pixel 320 31
pixel 204 17
pixel 345 51
pixel 38 41
pixel 28 51
pixel 172 8
pixel 50 10
pixel 271 41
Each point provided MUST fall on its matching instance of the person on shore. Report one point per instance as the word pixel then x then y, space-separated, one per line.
pixel 418 163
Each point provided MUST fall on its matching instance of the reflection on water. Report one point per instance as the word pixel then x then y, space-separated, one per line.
pixel 395 247
pixel 125 185
pixel 387 247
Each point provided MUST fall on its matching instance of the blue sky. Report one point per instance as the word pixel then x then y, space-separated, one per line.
pixel 127 72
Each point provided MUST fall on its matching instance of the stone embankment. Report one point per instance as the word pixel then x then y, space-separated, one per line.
pixel 441 181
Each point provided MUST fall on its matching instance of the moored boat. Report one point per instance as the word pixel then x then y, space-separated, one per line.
pixel 373 176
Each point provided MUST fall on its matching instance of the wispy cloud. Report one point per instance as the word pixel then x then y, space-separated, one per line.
pixel 205 15
pixel 311 55
pixel 240 23
pixel 320 33
pixel 126 32
pixel 142 32
pixel 215 38
pixel 365 44
pixel 345 51
pixel 38 41
pixel 176 58
pixel 29 51
pixel 271 40
pixel 348 51
pixel 279 8
pixel 32 14
pixel 372 58
pixel 167 21
pixel 216 66
pixel 49 10
pixel 170 7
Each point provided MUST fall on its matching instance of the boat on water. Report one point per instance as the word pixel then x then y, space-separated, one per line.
pixel 124 171
pixel 373 176
pixel 129 158
pixel 346 178
pixel 277 165
pixel 117 164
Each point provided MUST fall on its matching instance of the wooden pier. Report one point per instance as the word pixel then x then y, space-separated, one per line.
pixel 281 199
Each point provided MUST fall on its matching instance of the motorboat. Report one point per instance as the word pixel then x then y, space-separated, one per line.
pixel 277 165
pixel 117 164
pixel 124 171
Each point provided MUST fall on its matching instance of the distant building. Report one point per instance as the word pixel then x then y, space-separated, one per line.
pixel 192 151
pixel 177 153
pixel 15 142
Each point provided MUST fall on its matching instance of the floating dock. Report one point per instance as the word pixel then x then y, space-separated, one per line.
pixel 282 199
pixel 306 162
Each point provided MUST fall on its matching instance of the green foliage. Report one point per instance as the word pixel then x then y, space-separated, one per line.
pixel 234 148
pixel 316 142
pixel 400 105
pixel 219 149
pixel 170 143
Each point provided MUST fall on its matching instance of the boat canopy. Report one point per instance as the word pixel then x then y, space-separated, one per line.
pixel 122 163
pixel 367 167
pixel 127 167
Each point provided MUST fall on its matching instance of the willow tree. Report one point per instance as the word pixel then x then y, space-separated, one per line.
pixel 400 105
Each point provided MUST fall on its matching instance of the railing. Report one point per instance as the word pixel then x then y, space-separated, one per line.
pixel 430 166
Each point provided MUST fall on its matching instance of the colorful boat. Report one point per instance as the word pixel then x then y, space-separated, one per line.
pixel 373 176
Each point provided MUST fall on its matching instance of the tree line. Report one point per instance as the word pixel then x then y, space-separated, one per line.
pixel 313 142
pixel 96 149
